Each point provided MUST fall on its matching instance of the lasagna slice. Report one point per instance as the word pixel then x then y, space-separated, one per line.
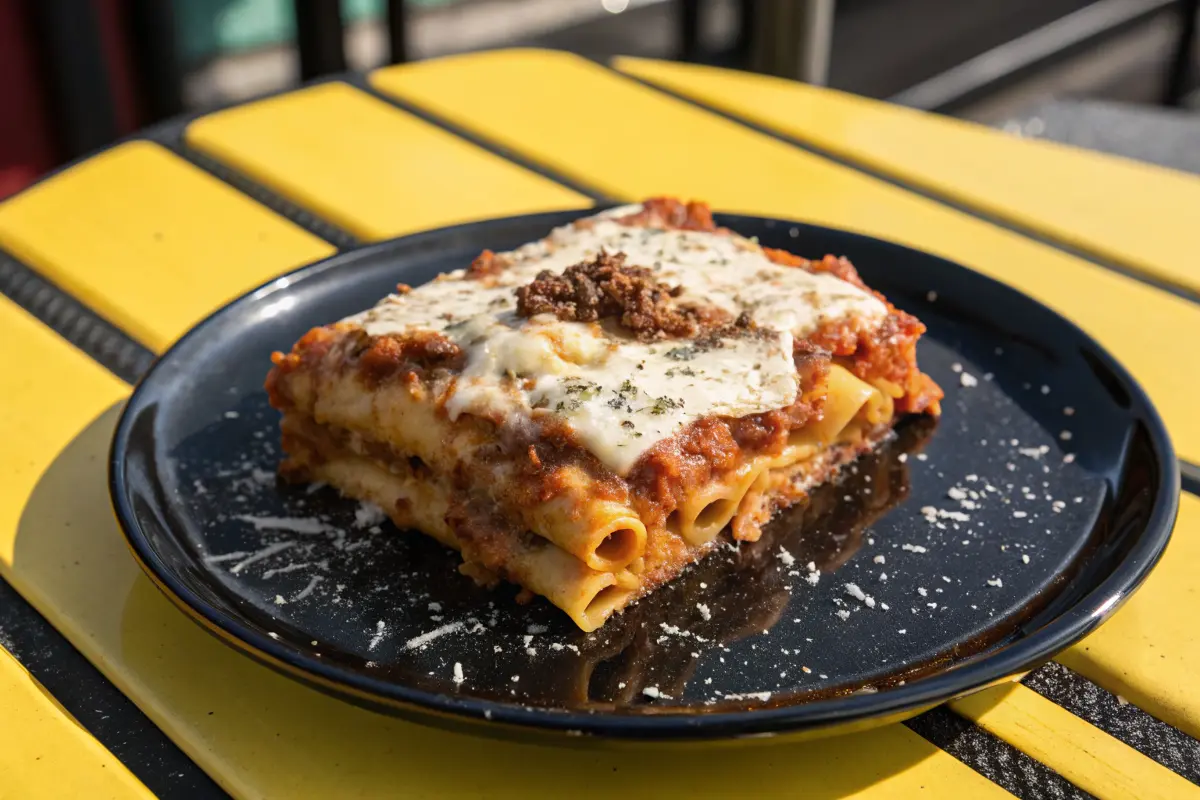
pixel 583 416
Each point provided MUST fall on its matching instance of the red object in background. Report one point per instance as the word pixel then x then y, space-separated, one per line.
pixel 26 134
pixel 28 141
pixel 117 47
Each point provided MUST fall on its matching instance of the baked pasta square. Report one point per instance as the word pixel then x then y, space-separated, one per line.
pixel 586 415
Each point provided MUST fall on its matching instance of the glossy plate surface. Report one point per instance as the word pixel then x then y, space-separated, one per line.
pixel 962 553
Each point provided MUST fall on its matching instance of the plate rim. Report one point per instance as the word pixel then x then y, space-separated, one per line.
pixel 971 675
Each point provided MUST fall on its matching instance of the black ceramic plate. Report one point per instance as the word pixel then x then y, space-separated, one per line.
pixel 986 543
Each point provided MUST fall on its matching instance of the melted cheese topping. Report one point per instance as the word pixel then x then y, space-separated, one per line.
pixel 621 396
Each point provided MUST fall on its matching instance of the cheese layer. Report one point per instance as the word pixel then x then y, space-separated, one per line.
pixel 619 395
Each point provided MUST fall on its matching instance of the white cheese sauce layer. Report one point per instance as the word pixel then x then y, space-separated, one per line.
pixel 621 396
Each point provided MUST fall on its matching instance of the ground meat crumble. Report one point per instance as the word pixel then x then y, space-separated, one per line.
pixel 606 288
pixel 488 263
pixel 382 357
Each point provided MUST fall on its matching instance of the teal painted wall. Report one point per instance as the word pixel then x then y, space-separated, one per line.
pixel 207 28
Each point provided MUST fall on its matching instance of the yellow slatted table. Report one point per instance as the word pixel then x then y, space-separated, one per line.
pixel 45 754
pixel 1089 758
pixel 131 233
pixel 153 243
pixel 309 145
pixel 1096 203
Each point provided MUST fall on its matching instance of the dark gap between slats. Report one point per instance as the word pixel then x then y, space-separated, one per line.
pixel 993 757
pixel 1151 737
pixel 1189 475
pixel 495 148
pixel 170 135
pixel 97 705
pixel 308 220
pixel 77 323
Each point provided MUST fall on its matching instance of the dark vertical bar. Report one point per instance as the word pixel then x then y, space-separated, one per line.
pixel 152 34
pixel 1179 72
pixel 689 30
pixel 745 33
pixel 319 38
pixel 397 31
pixel 76 74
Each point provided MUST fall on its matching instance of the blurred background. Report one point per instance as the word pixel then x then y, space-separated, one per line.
pixel 1122 75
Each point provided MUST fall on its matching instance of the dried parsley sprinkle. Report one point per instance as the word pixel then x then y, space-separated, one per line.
pixel 623 393
pixel 585 390
pixel 685 353
pixel 626 424
pixel 662 404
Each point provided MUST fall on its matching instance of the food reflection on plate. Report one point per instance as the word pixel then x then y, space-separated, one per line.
pixel 745 589
pixel 650 651
pixel 419 618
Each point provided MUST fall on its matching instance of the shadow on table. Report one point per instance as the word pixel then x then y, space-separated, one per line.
pixel 258 732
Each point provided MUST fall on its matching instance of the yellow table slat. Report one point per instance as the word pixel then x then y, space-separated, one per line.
pixel 1136 214
pixel 45 754
pixel 369 167
pixel 262 735
pixel 1149 652
pixel 151 242
pixel 51 392
pixel 642 142
pixel 1082 753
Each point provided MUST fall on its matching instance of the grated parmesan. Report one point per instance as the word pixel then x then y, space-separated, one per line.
pixel 304 525
pixel 426 638
pixel 380 630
